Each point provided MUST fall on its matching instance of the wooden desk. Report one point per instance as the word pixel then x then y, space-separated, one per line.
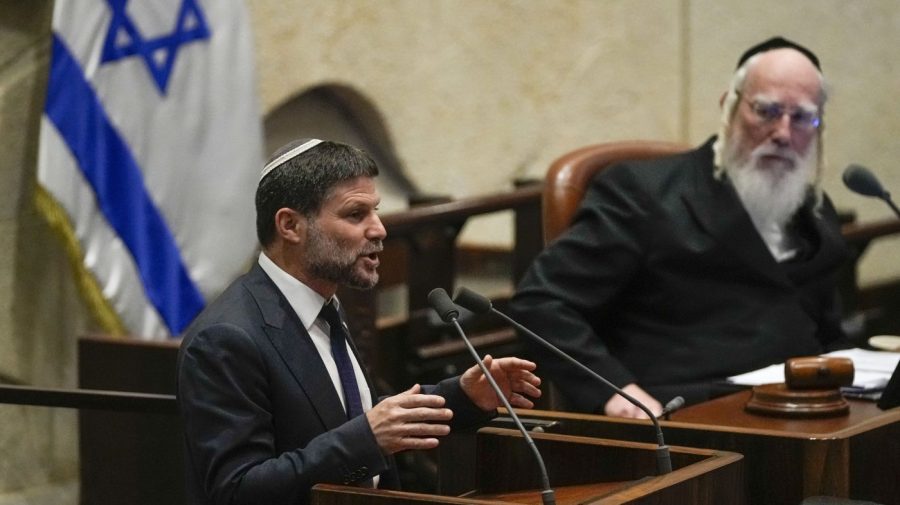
pixel 854 456
pixel 580 470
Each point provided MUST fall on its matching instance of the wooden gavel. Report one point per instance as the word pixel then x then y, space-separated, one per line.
pixel 812 388
pixel 818 372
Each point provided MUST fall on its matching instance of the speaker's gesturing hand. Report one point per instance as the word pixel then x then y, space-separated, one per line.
pixel 514 377
pixel 409 420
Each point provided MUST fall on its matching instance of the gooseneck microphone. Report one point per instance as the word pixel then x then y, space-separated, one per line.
pixel 673 405
pixel 861 180
pixel 445 308
pixel 480 304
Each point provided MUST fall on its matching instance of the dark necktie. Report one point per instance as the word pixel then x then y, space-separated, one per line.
pixel 342 360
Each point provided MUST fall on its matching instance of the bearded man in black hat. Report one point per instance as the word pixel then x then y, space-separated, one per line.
pixel 682 271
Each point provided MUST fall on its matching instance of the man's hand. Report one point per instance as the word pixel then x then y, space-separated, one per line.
pixel 409 420
pixel 514 377
pixel 617 406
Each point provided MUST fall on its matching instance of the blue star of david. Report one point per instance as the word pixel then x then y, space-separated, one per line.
pixel 124 39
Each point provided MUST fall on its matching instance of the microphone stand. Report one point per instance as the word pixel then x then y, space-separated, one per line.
pixel 663 458
pixel 547 495
pixel 437 296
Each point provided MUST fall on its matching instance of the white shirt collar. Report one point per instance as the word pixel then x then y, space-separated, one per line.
pixel 303 299
pixel 780 243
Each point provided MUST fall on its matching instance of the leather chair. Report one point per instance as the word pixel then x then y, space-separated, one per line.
pixel 568 178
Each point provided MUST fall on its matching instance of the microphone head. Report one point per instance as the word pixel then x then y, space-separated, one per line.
pixel 441 303
pixel 468 299
pixel 862 181
pixel 674 404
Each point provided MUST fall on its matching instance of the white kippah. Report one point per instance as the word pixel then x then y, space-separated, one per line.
pixel 302 148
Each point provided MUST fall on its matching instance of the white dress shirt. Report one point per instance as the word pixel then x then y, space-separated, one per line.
pixel 307 304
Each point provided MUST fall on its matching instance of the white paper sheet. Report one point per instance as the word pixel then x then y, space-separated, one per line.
pixel 872 369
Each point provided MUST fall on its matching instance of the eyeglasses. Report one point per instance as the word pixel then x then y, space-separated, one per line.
pixel 802 119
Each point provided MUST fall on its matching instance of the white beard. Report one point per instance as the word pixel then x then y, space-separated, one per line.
pixel 770 194
pixel 771 189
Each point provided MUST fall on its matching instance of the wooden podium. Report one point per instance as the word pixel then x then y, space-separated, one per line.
pixel 853 456
pixel 580 469
pixel 129 457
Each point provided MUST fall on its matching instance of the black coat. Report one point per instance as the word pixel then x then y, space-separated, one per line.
pixel 262 420
pixel 663 281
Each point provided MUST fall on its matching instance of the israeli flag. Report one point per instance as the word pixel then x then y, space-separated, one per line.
pixel 150 146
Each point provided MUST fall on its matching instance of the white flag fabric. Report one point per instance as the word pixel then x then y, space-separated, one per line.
pixel 150 148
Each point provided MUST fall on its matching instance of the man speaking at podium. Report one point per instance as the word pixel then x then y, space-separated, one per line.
pixel 271 393
pixel 681 271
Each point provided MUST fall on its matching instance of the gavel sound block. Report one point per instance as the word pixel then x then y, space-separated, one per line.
pixel 812 388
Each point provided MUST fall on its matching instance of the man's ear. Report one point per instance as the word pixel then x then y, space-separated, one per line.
pixel 290 225
pixel 722 99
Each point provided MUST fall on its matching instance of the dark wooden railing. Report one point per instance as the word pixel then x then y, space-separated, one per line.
pixel 863 233
pixel 878 306
pixel 129 442
pixel 90 399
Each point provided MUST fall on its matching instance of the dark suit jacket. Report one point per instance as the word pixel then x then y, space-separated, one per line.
pixel 262 420
pixel 663 280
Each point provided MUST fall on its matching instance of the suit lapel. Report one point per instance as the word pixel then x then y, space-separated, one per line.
pixel 832 246
pixel 717 208
pixel 293 343
pixel 828 248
